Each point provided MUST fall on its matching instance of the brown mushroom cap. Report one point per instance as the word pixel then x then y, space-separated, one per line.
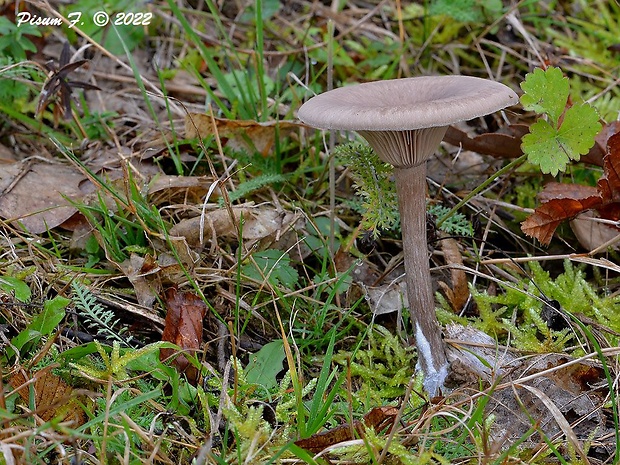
pixel 405 104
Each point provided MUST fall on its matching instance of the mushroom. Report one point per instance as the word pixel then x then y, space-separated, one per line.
pixel 404 120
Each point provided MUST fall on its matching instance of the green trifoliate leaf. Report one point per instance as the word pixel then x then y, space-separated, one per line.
pixel 552 149
pixel 546 92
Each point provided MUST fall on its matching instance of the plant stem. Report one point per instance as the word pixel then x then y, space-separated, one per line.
pixel 411 188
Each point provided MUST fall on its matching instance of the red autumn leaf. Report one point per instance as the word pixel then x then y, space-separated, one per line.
pixel 185 312
pixel 544 221
pixel 559 190
pixel 378 418
pixel 565 201
pixel 609 183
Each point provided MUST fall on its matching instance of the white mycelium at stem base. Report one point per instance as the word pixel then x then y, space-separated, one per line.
pixel 404 121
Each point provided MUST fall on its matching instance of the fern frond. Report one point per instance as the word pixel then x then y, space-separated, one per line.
pixel 96 317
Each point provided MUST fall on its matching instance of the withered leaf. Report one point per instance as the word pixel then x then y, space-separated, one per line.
pixel 259 223
pixel 545 220
pixel 558 190
pixel 507 142
pixel 378 419
pixel 458 292
pixel 36 194
pixel 566 201
pixel 53 397
pixel 184 315
pixel 592 234
pixel 500 145
pixel 239 135
pixel 142 273
pixel 609 183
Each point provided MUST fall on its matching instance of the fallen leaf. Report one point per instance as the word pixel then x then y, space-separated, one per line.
pixel 500 145
pixel 592 234
pixel 507 144
pixel 53 397
pixel 258 223
pixel 566 201
pixel 458 293
pixel 387 298
pixel 544 221
pixel 557 190
pixel 142 273
pixel 599 150
pixel 35 194
pixel 378 419
pixel 184 314
pixel 576 389
pixel 609 183
pixel 249 136
pixel 188 189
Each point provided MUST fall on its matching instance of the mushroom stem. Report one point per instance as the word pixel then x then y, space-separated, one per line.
pixel 411 188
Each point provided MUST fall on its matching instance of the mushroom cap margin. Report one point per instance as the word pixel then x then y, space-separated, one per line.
pixel 405 104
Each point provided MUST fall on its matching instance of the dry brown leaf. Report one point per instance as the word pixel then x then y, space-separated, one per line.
pixel 546 218
pixel 190 189
pixel 387 298
pixel 507 144
pixel 378 419
pixel 500 145
pixel 53 397
pixel 142 274
pixel 35 194
pixel 568 386
pixel 559 418
pixel 184 314
pixel 592 234
pixel 566 201
pixel 557 190
pixel 249 136
pixel 458 293
pixel 609 183
pixel 258 223
pixel 597 153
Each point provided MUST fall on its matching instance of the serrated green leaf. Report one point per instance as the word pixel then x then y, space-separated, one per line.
pixel 546 92
pixel 542 148
pixel 580 127
pixel 265 364
pixel 552 149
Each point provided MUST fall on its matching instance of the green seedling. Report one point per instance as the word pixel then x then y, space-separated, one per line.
pixel 116 363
